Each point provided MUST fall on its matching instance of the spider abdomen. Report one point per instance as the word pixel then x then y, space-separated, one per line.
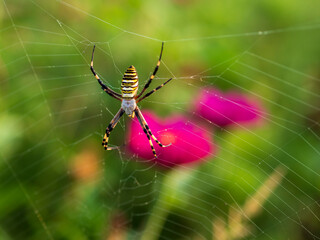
pixel 130 83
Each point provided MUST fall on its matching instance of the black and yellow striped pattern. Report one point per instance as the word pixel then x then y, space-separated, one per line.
pixel 130 83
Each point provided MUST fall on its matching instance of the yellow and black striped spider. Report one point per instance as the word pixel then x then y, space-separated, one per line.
pixel 129 100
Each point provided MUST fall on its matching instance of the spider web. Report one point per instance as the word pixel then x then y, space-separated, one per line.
pixel 58 183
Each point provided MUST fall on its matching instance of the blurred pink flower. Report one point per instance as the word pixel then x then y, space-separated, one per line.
pixel 224 109
pixel 190 143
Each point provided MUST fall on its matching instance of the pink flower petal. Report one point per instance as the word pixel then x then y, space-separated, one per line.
pixel 190 143
pixel 224 109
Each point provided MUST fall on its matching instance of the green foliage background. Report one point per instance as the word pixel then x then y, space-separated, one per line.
pixel 55 180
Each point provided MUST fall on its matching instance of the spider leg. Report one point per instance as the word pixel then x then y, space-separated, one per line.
pixel 110 127
pixel 154 90
pixel 153 74
pixel 148 132
pixel 104 87
pixel 145 124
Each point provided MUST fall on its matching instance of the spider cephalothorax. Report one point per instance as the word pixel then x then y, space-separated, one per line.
pixel 129 100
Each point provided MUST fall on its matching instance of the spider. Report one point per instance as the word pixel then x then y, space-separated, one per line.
pixel 129 100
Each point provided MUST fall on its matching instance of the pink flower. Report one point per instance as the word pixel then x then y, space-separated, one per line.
pixel 189 142
pixel 224 109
